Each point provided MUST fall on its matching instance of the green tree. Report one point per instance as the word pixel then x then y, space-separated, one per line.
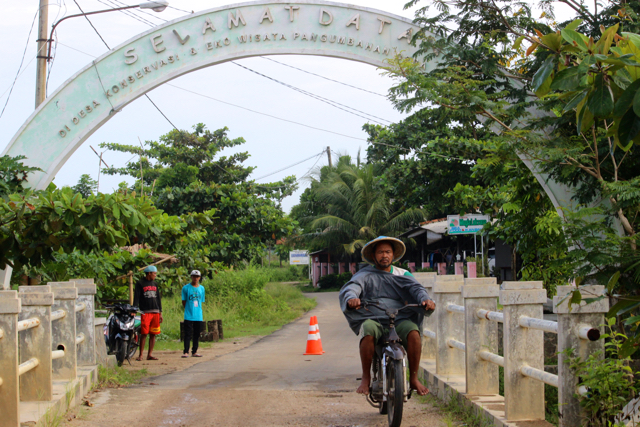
pixel 357 209
pixel 86 186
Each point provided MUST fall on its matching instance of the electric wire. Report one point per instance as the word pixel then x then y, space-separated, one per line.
pixel 238 106
pixel 90 23
pixel 266 114
pixel 105 43
pixel 21 62
pixel 153 15
pixel 181 10
pixel 323 77
pixel 290 166
pixel 334 104
pixel 127 13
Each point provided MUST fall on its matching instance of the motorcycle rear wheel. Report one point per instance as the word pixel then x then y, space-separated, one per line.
pixel 395 390
pixel 121 350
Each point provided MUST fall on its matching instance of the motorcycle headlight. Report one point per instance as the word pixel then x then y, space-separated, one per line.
pixel 126 324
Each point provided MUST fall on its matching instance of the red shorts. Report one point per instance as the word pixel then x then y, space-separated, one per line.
pixel 150 324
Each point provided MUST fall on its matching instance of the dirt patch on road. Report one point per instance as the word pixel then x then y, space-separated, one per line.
pixel 172 361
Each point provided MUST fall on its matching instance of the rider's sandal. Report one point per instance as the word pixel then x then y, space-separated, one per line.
pixel 196 355
pixel 185 355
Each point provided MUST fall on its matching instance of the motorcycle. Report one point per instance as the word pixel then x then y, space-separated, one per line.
pixel 122 331
pixel 389 385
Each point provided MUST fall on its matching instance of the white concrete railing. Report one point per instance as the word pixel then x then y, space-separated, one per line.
pixel 44 353
pixel 462 337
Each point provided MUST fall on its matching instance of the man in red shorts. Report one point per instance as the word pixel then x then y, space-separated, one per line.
pixel 147 299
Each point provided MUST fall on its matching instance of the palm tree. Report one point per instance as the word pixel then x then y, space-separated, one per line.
pixel 356 210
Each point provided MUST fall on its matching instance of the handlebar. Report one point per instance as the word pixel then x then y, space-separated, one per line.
pixel 389 312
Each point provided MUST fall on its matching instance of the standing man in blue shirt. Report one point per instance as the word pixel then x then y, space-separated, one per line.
pixel 192 300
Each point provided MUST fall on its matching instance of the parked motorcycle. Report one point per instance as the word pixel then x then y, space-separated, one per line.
pixel 122 331
pixel 389 386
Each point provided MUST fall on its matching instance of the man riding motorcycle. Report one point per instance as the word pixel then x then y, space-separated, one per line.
pixel 393 288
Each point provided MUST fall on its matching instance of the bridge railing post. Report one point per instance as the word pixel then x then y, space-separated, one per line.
pixel 482 377
pixel 35 344
pixel 523 396
pixel 429 348
pixel 449 361
pixel 10 307
pixel 63 335
pixel 574 323
pixel 85 317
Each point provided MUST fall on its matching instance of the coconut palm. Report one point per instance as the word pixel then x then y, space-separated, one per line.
pixel 356 210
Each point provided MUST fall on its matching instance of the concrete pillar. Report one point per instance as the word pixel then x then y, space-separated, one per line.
pixel 36 385
pixel 570 321
pixel 340 268
pixel 472 271
pixel 10 307
pixel 426 279
pixel 352 268
pixel 5 278
pixel 482 377
pixel 84 321
pixel 523 396
pixel 412 267
pixel 429 349
pixel 323 269
pixel 426 265
pixel 459 267
pixel 442 268
pixel 449 361
pixel 429 345
pixel 63 334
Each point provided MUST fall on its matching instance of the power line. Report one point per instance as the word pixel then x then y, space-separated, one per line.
pixel 323 77
pixel 153 15
pixel 334 104
pixel 21 62
pixel 290 166
pixel 239 106
pixel 127 13
pixel 181 10
pixel 265 114
pixel 105 43
pixel 90 23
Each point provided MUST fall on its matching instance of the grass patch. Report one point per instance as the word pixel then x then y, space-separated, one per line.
pixel 454 412
pixel 258 312
pixel 308 288
pixel 115 377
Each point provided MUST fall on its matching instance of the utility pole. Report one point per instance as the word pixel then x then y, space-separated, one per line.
pixel 41 73
pixel 100 163
pixel 329 156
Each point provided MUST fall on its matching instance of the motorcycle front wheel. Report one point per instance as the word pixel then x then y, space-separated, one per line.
pixel 121 350
pixel 395 389
pixel 383 404
pixel 134 343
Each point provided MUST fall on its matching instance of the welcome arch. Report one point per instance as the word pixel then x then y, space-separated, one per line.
pixel 260 28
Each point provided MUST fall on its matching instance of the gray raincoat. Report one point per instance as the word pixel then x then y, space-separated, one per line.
pixel 388 290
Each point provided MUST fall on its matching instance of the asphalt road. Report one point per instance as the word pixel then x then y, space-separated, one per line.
pixel 270 383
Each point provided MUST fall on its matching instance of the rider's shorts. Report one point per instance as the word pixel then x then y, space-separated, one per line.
pixel 375 329
pixel 150 324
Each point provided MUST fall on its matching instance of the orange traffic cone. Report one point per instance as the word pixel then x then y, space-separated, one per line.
pixel 314 345
pixel 315 319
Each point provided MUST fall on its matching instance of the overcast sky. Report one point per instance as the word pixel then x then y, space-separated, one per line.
pixel 272 144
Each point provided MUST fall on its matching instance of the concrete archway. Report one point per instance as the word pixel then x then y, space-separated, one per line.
pixel 104 87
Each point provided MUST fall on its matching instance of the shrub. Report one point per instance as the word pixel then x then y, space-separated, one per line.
pixel 334 281
pixel 425 270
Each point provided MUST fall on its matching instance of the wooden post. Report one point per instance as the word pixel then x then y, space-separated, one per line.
pixel 131 287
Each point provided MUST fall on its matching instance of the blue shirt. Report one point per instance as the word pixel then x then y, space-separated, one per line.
pixel 194 296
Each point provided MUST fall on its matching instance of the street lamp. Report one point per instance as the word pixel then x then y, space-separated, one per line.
pixel 156 6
